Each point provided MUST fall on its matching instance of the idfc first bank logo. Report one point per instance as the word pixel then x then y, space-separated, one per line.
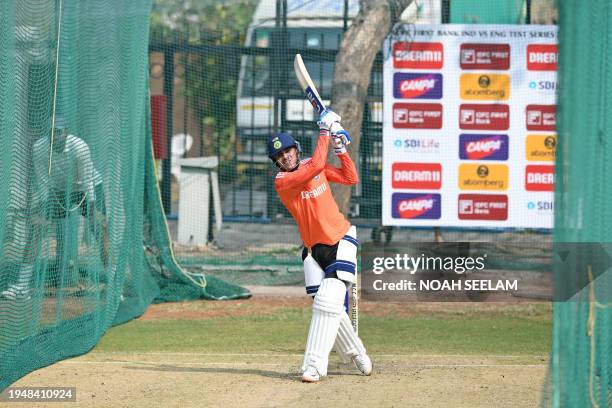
pixel 417 86
pixel 415 206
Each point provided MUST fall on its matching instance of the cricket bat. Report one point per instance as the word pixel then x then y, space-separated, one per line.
pixel 307 85
pixel 309 88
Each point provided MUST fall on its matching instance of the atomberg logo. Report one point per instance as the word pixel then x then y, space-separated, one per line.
pixel 485 56
pixel 425 176
pixel 483 207
pixel 417 86
pixel 417 115
pixel 415 206
pixel 418 55
pixel 485 86
pixel 539 178
pixel 483 177
pixel 541 117
pixel 483 147
pixel 541 147
pixel 484 117
pixel 542 57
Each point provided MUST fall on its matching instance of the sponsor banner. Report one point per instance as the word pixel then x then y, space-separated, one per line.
pixel 542 57
pixel 484 117
pixel 417 86
pixel 415 206
pixel 483 177
pixel 485 56
pixel 420 176
pixel 417 115
pixel 540 178
pixel 541 117
pixel 483 207
pixel 467 111
pixel 541 147
pixel 486 87
pixel 418 55
pixel 483 147
pixel 417 145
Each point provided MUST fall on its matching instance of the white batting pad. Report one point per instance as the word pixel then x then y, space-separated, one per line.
pixel 327 309
pixel 348 344
pixel 313 275
pixel 346 258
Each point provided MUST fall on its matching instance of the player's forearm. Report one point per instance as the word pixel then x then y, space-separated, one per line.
pixel 349 172
pixel 319 156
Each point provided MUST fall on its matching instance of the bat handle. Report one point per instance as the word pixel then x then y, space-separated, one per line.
pixel 339 131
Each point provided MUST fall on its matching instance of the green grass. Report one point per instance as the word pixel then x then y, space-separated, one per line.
pixel 514 330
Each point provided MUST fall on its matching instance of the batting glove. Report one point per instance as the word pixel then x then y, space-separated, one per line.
pixel 327 119
pixel 338 145
pixel 338 130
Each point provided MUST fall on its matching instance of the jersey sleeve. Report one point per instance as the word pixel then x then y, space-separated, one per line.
pixel 295 179
pixel 346 174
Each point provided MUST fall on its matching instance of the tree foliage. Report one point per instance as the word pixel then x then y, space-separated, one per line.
pixel 211 77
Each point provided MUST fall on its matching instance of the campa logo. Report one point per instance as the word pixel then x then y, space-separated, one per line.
pixel 417 86
pixel 483 147
pixel 415 206
pixel 418 55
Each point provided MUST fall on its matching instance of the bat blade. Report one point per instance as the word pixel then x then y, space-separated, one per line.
pixel 307 85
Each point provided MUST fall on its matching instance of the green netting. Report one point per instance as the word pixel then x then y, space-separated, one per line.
pixel 488 12
pixel 581 360
pixel 84 243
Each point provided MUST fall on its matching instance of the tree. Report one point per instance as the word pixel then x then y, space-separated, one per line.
pixel 211 79
pixel 354 61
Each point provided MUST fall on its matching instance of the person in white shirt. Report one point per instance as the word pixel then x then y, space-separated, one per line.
pixel 63 185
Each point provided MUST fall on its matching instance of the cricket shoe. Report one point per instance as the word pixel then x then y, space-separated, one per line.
pixel 311 375
pixel 363 363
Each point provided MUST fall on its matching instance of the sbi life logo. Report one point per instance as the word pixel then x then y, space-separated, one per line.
pixel 422 145
pixel 541 205
pixel 543 85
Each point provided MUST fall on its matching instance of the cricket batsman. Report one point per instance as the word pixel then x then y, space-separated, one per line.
pixel 330 242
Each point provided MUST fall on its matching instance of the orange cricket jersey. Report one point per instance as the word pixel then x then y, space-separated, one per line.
pixel 307 195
